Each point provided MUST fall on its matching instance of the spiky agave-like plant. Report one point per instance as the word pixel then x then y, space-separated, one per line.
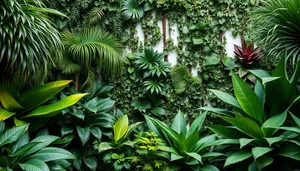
pixel 247 54
pixel 277 25
pixel 27 38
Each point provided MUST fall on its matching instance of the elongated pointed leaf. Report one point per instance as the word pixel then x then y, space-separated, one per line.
pixel 237 157
pixel 260 93
pixel 120 128
pixel 227 98
pixel 269 127
pixel 5 114
pixel 21 141
pixel 22 150
pixel 40 94
pixel 104 146
pixel 247 98
pixel 52 154
pixel 34 165
pixel 175 157
pixel 274 140
pixel 83 133
pixel 260 151
pixel 227 132
pixel 44 141
pixel 218 111
pixel 197 124
pixel 179 124
pixel 296 119
pixel 131 128
pixel 245 141
pixel 195 156
pixel 260 73
pixel 8 102
pixel 97 133
pixel 12 134
pixel 246 125
pixel 290 151
pixel 54 108
pixel 209 168
pixel 264 161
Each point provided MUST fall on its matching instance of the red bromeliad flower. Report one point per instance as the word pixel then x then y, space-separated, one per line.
pixel 247 54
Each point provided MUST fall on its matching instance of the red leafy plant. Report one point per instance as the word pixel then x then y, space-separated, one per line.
pixel 247 54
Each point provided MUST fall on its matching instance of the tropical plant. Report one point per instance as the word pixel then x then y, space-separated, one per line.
pixel 28 39
pixel 148 156
pixel 118 152
pixel 132 9
pixel 256 118
pixel 18 153
pixel 188 150
pixel 86 124
pixel 247 54
pixel 31 104
pixel 277 28
pixel 89 50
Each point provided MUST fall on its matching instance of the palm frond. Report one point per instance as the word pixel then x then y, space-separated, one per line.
pixel 278 28
pixel 95 16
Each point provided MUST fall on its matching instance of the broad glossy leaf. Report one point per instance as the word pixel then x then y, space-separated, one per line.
pixel 52 154
pixel 227 98
pixel 19 122
pixel 247 98
pixel 237 157
pixel 40 94
pixel 195 156
pixel 12 134
pixel 273 140
pixel 245 141
pixel 104 146
pixel 91 162
pixel 9 102
pixel 131 128
pixel 34 165
pixel 83 133
pixel 5 114
pixel 44 141
pixel 260 73
pixel 54 108
pixel 97 133
pixel 120 127
pixel 260 151
pixel 246 125
pixel 66 130
pixel 175 157
pixel 264 161
pixel 99 105
pixel 21 141
pixel 179 123
pixel 260 93
pixel 208 167
pixel 23 149
pixel 269 126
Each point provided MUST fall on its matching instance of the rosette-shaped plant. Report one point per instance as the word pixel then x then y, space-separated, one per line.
pixel 247 54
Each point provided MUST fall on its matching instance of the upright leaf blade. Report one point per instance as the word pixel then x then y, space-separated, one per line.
pixel 179 123
pixel 247 98
pixel 83 133
pixel 120 128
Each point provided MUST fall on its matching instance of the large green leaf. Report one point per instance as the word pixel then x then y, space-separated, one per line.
pixel 197 124
pixel 260 93
pixel 104 146
pixel 44 141
pixel 179 123
pixel 245 141
pixel 52 154
pixel 131 128
pixel 227 98
pixel 40 94
pixel 247 98
pixel 195 156
pixel 21 142
pixel 246 125
pixel 290 151
pixel 8 102
pixel 237 157
pixel 5 114
pixel 22 150
pixel 99 105
pixel 227 132
pixel 34 165
pixel 91 163
pixel 54 108
pixel 120 128
pixel 83 133
pixel 12 134
pixel 264 161
pixel 218 111
pixel 260 73
pixel 260 151
pixel 269 126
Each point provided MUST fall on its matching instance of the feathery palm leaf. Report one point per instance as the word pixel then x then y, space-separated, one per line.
pixel 95 16
pixel 28 38
pixel 278 23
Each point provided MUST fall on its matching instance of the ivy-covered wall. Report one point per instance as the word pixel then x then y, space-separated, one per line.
pixel 193 31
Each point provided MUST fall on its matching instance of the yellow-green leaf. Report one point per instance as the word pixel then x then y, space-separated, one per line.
pixel 120 128
pixel 4 114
